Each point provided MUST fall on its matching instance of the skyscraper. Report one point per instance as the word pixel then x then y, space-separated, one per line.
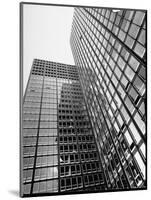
pixel 60 154
pixel 109 49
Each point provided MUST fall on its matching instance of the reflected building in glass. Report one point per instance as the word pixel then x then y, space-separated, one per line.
pixel 109 49
pixel 60 154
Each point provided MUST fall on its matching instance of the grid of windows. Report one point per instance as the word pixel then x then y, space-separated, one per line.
pixel 109 49
pixel 59 149
pixel 40 149
pixel 78 153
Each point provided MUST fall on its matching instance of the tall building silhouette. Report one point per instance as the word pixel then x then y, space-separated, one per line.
pixel 109 49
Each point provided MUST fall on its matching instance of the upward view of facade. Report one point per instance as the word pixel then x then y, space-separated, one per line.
pixel 59 149
pixel 109 49
pixel 84 125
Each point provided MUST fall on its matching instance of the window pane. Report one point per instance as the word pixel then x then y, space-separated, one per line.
pixel 138 18
pixel 142 108
pixel 129 105
pixel 125 25
pixel 140 122
pixel 118 72
pixel 139 49
pixel 133 93
pixel 142 37
pixel 135 133
pixel 133 63
pixel 125 53
pixel 115 81
pixel 121 63
pixel 125 114
pixel 128 138
pixel 129 14
pixel 129 73
pixel 117 101
pixel 142 72
pixel 124 81
pixel 140 163
pixel 121 35
pixel 143 149
pixel 139 85
pixel 121 91
pixel 133 30
pixel 129 42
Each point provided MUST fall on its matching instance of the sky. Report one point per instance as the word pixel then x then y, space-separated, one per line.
pixel 46 35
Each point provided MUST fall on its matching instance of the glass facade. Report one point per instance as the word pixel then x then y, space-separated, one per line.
pixel 109 49
pixel 60 154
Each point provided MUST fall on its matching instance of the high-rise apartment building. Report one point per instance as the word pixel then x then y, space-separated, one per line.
pixel 59 150
pixel 109 49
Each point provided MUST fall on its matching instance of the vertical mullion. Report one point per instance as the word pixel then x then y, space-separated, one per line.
pixel 34 166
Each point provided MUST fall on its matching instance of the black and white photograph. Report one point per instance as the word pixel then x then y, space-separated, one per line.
pixel 83 83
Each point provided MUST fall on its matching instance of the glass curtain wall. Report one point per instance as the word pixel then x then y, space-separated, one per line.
pixel 109 48
pixel 59 149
